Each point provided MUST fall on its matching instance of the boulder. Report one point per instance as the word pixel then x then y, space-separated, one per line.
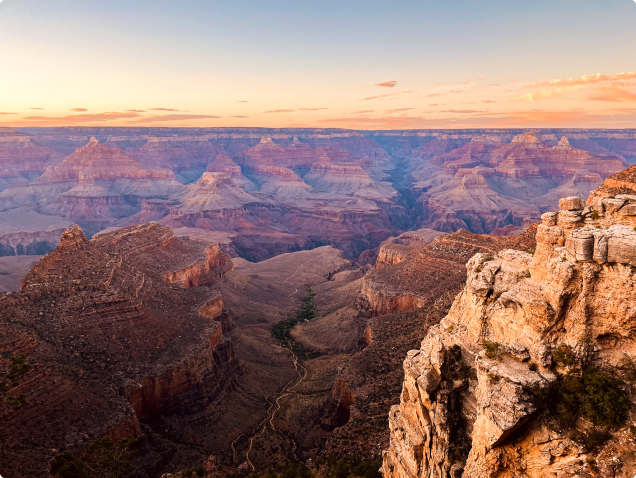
pixel 580 244
pixel 572 203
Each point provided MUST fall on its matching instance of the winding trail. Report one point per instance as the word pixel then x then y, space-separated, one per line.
pixel 286 281
pixel 274 400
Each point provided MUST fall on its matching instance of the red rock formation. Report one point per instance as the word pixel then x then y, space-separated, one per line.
pixel 216 265
pixel 213 192
pixel 21 158
pixel 185 155
pixel 223 163
pixel 277 181
pixel 426 272
pixel 120 342
pixel 489 185
pixel 97 161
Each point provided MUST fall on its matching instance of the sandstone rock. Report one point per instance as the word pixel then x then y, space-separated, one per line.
pixel 581 244
pixel 549 218
pixel 121 343
pixel 73 238
pixel 514 301
pixel 571 204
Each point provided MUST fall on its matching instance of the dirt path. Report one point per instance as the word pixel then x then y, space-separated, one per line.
pixel 274 407
pixel 286 281
pixel 274 400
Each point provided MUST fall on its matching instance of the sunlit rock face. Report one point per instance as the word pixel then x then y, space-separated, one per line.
pixel 465 412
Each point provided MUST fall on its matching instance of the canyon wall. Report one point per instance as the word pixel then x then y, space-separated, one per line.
pixel 471 403
pixel 112 344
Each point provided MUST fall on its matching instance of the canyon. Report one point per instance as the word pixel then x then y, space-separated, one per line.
pixel 146 277
pixel 294 189
pixel 484 395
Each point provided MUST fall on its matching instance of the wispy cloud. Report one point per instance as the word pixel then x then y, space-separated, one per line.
pixel 311 109
pixel 546 93
pixel 277 111
pixel 540 117
pixel 560 86
pixel 584 80
pixel 463 112
pixel 163 109
pixel 488 101
pixel 83 118
pixel 8 113
pixel 35 109
pixel 398 110
pixel 175 117
pixel 386 95
pixel 437 95
pixel 240 116
pixel 361 112
pixel 612 94
pixel 137 111
pixel 387 84
pixel 243 101
pixel 79 109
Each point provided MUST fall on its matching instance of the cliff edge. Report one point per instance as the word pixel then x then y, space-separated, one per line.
pixel 530 372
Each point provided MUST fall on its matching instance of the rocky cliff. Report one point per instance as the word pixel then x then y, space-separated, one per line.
pixel 526 374
pixel 114 339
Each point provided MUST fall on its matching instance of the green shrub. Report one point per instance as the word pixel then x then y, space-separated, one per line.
pixel 591 394
pixel 606 401
pixel 595 438
pixel 15 402
pixel 564 355
pixel 595 215
pixel 282 330
pixel 348 467
pixel 531 251
pixel 533 367
pixel 493 350
pixel 19 366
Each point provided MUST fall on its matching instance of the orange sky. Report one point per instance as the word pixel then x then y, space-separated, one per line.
pixel 349 64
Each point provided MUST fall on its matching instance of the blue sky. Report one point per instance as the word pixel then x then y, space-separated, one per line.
pixel 292 63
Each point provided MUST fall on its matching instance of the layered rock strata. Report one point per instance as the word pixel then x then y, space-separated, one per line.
pixel 466 411
pixel 111 342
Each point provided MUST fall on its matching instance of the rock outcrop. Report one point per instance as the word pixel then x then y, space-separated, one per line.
pixel 111 342
pixel 471 402
pixel 22 159
pixel 406 278
pixel 487 184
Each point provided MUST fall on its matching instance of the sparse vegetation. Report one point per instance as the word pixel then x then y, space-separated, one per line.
pixel 328 466
pixel 595 215
pixel 594 438
pixel 531 251
pixel 493 350
pixel 103 459
pixel 18 367
pixel 586 392
pixel 349 467
pixel 282 331
pixel 565 356
pixel 196 472
pixel 533 367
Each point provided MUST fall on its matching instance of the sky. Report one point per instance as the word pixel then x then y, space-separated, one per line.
pixel 360 64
